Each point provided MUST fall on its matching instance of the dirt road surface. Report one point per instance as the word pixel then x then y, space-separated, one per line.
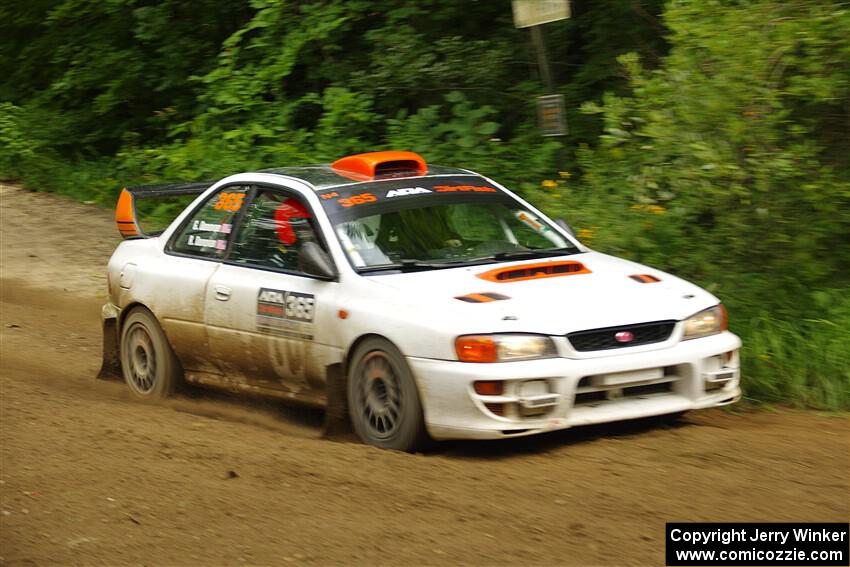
pixel 90 476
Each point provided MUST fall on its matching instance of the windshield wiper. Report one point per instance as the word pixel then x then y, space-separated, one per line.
pixel 406 266
pixel 533 253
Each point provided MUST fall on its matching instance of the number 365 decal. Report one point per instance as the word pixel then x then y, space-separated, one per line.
pixel 360 199
pixel 285 313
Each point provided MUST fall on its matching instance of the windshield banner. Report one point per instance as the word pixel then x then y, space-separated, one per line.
pixel 438 189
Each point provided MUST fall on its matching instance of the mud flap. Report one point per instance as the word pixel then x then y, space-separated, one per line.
pixel 110 368
pixel 337 422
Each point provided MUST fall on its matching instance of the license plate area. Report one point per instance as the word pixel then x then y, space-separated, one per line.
pixel 619 378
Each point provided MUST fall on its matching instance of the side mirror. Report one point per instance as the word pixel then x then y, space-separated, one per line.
pixel 565 225
pixel 316 262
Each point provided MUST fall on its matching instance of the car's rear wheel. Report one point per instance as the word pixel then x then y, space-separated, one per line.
pixel 383 401
pixel 148 363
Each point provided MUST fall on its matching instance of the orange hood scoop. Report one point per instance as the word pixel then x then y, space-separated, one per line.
pixel 535 271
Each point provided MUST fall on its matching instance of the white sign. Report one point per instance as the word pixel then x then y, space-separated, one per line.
pixel 535 12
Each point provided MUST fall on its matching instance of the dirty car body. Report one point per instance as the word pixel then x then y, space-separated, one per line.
pixel 420 301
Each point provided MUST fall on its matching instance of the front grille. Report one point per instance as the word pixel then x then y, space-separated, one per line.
pixel 604 339
pixel 595 397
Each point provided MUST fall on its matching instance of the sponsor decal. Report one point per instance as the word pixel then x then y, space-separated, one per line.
pixel 361 199
pixel 531 222
pixel 229 201
pixel 349 197
pixel 464 189
pixel 285 313
pixel 212 227
pixel 406 191
pixel 199 242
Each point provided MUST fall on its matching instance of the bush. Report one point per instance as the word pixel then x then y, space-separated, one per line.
pixel 726 166
pixel 18 151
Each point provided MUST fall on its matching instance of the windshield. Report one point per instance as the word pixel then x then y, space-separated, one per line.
pixel 438 223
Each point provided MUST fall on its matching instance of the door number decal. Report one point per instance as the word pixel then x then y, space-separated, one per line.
pixel 285 313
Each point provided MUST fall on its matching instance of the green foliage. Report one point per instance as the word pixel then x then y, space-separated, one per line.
pixel 805 360
pixel 726 165
pixel 461 134
pixel 111 70
pixel 735 139
pixel 17 149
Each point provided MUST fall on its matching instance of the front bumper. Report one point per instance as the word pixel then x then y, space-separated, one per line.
pixel 694 374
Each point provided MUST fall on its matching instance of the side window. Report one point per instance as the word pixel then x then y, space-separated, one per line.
pixel 272 232
pixel 208 230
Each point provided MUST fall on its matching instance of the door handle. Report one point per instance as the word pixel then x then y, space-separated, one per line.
pixel 222 292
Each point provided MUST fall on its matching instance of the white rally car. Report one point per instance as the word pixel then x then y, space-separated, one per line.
pixel 417 300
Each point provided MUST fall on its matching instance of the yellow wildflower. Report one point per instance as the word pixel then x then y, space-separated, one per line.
pixel 565 174
pixel 656 209
pixel 549 184
pixel 586 235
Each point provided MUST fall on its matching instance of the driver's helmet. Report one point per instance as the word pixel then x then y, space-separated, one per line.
pixel 291 221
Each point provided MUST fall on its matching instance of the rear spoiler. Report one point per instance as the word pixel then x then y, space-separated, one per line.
pixel 126 218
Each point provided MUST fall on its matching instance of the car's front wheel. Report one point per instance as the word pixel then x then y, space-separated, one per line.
pixel 383 401
pixel 148 363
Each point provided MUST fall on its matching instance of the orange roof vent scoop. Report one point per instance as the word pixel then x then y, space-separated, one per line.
pixel 380 165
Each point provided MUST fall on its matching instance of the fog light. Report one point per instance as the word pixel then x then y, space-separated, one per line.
pixel 498 409
pixel 489 387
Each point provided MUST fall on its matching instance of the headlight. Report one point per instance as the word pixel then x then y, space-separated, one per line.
pixel 503 348
pixel 707 322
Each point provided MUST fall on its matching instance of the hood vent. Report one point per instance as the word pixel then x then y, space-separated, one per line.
pixel 644 278
pixel 534 271
pixel 484 297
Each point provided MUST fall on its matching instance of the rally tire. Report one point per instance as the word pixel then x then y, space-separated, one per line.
pixel 383 401
pixel 148 363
